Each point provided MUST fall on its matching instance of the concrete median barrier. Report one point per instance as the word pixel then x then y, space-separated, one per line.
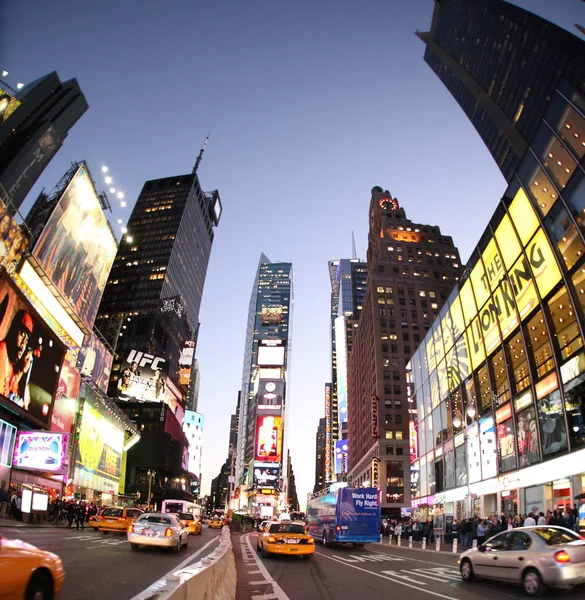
pixel 211 578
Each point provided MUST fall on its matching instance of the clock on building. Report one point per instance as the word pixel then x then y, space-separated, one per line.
pixel 388 203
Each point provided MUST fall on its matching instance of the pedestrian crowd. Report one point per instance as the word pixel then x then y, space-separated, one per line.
pixel 71 511
pixel 476 528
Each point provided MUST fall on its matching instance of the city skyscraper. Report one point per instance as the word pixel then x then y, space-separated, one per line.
pixel 260 451
pixel 411 270
pixel 320 449
pixel 348 287
pixel 150 312
pixel 41 115
pixel 502 64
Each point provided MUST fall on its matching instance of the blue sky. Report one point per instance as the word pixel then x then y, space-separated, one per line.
pixel 309 104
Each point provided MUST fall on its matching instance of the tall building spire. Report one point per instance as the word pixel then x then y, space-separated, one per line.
pixel 198 161
pixel 353 250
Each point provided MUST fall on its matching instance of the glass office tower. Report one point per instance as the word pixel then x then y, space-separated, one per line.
pixel 502 64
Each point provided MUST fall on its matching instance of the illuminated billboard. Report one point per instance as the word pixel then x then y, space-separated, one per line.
pixel 271 353
pixel 328 431
pixel 30 356
pixel 266 476
pixel 98 455
pixel 341 354
pixel 270 396
pixel 7 439
pixel 13 242
pixel 77 247
pixel 41 451
pixel 268 439
pixel 8 104
pixel 143 377
pixel 95 361
pixel 66 397
pixel 186 361
pixel 273 313
pixel 341 452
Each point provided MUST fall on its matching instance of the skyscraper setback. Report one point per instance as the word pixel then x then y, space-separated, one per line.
pixel 411 270
pixel 502 65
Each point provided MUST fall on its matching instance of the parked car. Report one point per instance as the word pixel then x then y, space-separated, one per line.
pixel 29 572
pixel 533 557
pixel 158 529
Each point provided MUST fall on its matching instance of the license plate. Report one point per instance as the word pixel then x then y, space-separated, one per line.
pixel 292 541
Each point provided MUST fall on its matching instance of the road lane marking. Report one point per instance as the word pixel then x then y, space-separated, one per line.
pixel 361 558
pixel 394 580
pixel 429 562
pixel 406 576
pixel 278 592
pixel 419 574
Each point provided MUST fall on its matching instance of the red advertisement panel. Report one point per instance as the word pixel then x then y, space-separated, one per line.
pixel 269 438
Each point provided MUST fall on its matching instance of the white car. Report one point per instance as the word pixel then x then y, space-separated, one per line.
pixel 158 529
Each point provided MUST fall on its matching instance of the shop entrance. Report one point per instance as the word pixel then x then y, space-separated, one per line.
pixel 560 497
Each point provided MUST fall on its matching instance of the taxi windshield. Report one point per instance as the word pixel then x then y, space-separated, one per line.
pixel 112 512
pixel 286 528
pixel 186 517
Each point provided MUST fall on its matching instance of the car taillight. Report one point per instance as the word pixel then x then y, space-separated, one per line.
pixel 338 528
pixel 562 557
pixel 168 532
pixel 271 539
pixel 131 529
pixel 310 540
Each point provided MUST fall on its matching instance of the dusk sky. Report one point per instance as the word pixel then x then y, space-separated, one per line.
pixel 310 104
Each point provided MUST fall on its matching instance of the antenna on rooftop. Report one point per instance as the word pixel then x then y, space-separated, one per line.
pixel 354 251
pixel 198 161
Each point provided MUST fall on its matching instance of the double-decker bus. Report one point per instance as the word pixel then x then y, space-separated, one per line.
pixel 344 515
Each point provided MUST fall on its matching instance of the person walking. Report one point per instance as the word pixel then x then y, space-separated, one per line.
pixel 70 509
pixel 480 533
pixel 79 515
pixel 19 508
pixel 4 498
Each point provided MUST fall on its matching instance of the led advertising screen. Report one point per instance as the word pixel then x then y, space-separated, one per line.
pixel 270 396
pixel 186 361
pixel 77 247
pixel 40 501
pixel 268 439
pixel 271 353
pixel 66 399
pixel 341 450
pixel 30 355
pixel 7 439
pixel 266 476
pixel 98 455
pixel 13 242
pixel 489 453
pixel 143 377
pixel 95 361
pixel 40 451
pixel 273 313
pixel 8 104
pixel 341 354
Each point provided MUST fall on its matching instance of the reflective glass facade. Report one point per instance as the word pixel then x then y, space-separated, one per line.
pixel 499 377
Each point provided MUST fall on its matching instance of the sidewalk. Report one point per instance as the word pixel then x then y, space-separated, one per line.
pixel 7 522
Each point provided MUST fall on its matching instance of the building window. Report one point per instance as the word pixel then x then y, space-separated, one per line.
pixel 500 378
pixel 540 344
pixel 389 450
pixel 564 323
pixel 395 481
pixel 519 363
pixel 389 435
pixel 399 450
pixel 398 435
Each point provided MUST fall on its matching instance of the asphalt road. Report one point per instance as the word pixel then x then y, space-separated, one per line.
pixel 99 566
pixel 375 573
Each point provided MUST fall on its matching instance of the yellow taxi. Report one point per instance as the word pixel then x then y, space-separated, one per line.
pixel 29 572
pixel 286 538
pixel 215 523
pixel 190 522
pixel 117 519
pixel 94 520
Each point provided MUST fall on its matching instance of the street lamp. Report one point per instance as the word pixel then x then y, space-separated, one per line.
pixel 150 474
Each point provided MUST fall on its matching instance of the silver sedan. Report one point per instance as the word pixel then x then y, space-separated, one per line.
pixel 158 529
pixel 533 557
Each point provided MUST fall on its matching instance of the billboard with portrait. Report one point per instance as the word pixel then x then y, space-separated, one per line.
pixel 143 376
pixel 95 361
pixel 266 476
pixel 8 104
pixel 268 439
pixel 13 242
pixel 41 451
pixel 66 397
pixel 30 356
pixel 98 456
pixel 551 419
pixel 186 361
pixel 77 247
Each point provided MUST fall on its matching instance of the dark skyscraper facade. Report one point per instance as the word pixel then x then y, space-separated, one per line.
pixel 411 270
pixel 502 64
pixel 32 134
pixel 151 306
pixel 320 449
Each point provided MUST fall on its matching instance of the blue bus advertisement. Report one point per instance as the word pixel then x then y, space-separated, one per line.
pixel 344 515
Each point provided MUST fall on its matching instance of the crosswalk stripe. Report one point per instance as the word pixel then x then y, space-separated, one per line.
pixel 419 574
